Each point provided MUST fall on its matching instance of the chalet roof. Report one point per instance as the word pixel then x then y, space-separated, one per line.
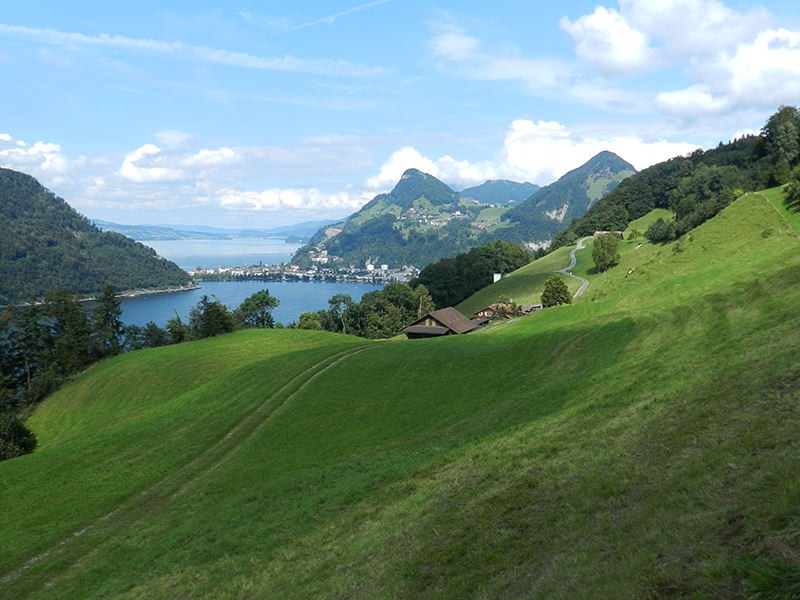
pixel 426 330
pixel 447 320
pixel 454 320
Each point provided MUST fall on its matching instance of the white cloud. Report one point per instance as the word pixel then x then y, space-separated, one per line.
pixel 454 44
pixel 535 151
pixel 763 73
pixel 209 158
pixel 606 39
pixel 688 28
pixel 193 53
pixel 400 161
pixel 275 199
pixel 143 165
pixel 42 159
pixel 464 52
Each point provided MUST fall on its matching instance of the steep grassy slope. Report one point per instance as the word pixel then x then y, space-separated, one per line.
pixel 640 443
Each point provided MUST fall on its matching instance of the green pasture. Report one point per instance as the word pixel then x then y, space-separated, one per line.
pixel 639 443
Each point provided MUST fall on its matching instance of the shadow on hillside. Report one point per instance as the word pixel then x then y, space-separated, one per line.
pixel 792 205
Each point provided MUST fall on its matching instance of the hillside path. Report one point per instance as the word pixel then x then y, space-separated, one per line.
pixel 572 262
pixel 75 551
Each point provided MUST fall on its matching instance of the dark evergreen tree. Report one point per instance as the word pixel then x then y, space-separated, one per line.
pixel 210 317
pixel 109 330
pixel 177 330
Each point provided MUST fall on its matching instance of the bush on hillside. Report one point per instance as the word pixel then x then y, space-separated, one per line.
pixel 660 232
pixel 15 438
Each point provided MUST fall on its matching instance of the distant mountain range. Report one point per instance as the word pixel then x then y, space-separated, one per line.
pixel 500 191
pixel 422 219
pixel 299 232
pixel 45 244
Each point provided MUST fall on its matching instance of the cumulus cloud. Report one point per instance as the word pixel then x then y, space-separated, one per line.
pixel 144 165
pixel 208 158
pixel 646 34
pixel 606 39
pixel 764 73
pixel 41 159
pixel 275 199
pixel 715 59
pixel 460 173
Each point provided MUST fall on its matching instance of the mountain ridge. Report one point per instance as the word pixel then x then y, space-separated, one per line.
pixel 422 219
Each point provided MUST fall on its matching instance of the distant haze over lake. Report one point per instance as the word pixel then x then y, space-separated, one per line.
pixel 209 254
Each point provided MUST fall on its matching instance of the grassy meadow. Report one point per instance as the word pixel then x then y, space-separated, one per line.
pixel 642 442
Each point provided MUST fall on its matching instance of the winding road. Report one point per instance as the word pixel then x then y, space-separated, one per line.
pixel 572 261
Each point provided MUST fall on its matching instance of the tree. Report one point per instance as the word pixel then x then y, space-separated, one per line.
pixel 309 320
pixel 422 301
pixel 256 310
pixel 605 251
pixel 71 333
pixel 792 190
pixel 177 330
pixel 340 306
pixel 209 318
pixel 15 438
pixel 154 336
pixel 555 292
pixel 660 231
pixel 107 322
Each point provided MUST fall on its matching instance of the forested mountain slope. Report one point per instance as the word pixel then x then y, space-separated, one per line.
pixel 564 200
pixel 639 443
pixel 45 244
pixel 698 186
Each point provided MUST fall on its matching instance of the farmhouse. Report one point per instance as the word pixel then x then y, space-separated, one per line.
pixel 445 321
pixel 498 310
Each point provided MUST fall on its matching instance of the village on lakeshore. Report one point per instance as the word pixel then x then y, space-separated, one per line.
pixel 375 274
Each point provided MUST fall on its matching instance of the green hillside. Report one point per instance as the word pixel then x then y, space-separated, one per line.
pixel 640 443
pixel 45 244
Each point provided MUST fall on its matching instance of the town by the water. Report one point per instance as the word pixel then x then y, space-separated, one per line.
pixel 377 274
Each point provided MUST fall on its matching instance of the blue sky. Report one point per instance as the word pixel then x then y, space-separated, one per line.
pixel 266 113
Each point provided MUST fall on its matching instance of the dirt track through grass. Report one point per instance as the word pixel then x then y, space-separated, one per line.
pixel 73 551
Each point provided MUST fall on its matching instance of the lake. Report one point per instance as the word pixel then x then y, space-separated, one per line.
pixel 210 254
pixel 295 297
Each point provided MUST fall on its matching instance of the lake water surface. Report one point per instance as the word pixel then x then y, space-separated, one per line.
pixel 295 297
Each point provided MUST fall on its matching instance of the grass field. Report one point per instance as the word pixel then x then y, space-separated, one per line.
pixel 640 443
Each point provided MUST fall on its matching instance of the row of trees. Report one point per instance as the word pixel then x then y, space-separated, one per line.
pixel 451 280
pixel 379 314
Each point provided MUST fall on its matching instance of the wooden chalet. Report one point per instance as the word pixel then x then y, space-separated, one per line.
pixel 498 310
pixel 445 321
